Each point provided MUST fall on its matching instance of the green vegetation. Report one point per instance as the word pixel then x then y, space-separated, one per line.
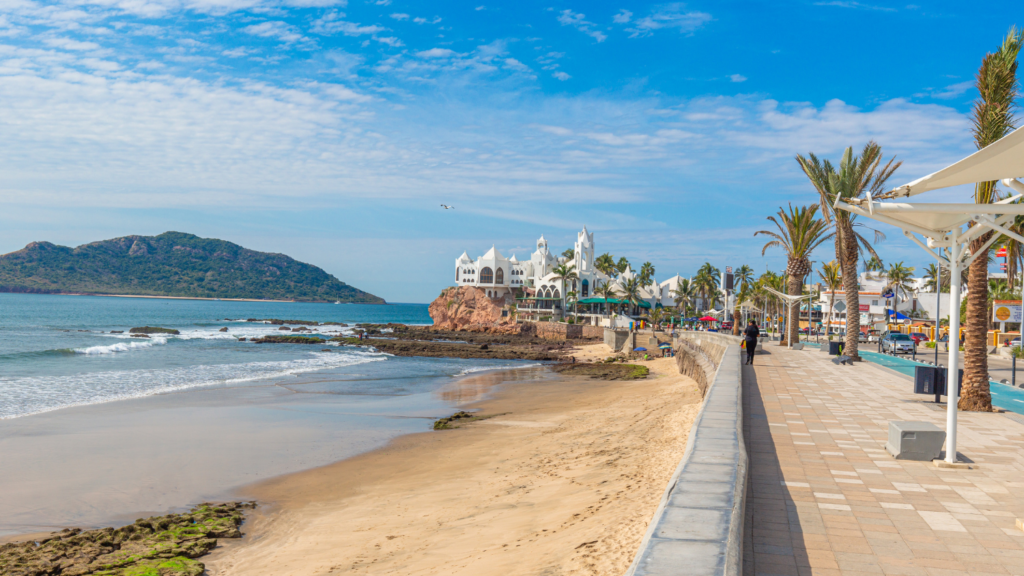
pixel 158 546
pixel 171 264
pixel 446 423
pixel 153 330
pixel 607 370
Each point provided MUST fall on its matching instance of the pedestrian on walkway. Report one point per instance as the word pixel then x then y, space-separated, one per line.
pixel 750 335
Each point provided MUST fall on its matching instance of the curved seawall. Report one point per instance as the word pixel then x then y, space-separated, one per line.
pixel 698 527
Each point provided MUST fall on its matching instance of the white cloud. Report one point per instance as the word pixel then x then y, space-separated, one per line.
pixel 857 6
pixel 479 8
pixel 437 53
pixel 332 23
pixel 383 2
pixel 952 91
pixel 622 17
pixel 436 20
pixel 578 21
pixel 274 29
pixel 516 65
pixel 737 78
pixel 389 40
pixel 561 76
pixel 400 16
pixel 667 17
pixel 69 44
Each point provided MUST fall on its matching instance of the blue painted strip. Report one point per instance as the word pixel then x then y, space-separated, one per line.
pixel 1002 394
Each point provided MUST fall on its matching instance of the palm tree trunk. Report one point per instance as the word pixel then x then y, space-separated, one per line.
pixel 848 261
pixel 976 396
pixel 794 288
pixel 831 308
pixel 736 320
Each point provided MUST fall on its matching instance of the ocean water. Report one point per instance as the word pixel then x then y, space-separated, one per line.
pixel 59 351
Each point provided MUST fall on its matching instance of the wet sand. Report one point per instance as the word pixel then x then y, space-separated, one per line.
pixel 108 464
pixel 562 479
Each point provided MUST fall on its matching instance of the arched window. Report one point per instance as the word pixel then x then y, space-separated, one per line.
pixel 486 276
pixel 586 288
pixel 556 294
pixel 457 274
pixel 499 277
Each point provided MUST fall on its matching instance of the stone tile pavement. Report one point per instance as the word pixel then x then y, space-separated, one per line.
pixel 825 498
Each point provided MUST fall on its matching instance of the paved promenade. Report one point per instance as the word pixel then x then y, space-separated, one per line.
pixel 825 498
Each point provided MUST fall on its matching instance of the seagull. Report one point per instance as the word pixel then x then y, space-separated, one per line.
pixel 447 207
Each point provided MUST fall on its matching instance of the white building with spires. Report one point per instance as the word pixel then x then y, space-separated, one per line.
pixel 539 289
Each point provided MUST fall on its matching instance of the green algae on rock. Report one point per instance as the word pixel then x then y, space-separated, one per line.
pixel 158 546
pixel 153 330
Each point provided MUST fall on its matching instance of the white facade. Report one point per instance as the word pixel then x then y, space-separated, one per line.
pixel 499 276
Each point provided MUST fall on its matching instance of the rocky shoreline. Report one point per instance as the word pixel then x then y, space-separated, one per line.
pixel 159 546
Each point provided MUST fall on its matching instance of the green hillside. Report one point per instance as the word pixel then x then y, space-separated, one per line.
pixel 171 264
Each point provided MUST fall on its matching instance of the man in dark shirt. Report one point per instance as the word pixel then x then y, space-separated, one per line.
pixel 750 334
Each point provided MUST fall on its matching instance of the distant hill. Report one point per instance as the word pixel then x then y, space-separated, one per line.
pixel 171 264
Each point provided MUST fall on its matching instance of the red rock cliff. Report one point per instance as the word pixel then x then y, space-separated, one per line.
pixel 469 308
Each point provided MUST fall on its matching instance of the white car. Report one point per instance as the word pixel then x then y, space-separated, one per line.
pixel 897 343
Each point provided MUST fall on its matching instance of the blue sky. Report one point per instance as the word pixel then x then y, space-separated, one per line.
pixel 332 131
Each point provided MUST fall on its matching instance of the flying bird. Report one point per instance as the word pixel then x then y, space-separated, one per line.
pixel 447 207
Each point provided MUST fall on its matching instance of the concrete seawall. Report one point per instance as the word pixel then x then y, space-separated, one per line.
pixel 698 527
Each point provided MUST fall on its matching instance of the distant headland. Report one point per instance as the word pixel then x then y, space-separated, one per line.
pixel 173 264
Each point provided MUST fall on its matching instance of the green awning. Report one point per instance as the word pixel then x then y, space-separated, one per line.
pixel 610 301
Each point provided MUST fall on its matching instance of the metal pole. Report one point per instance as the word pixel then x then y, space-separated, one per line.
pixel 953 372
pixel 1013 374
pixel 938 307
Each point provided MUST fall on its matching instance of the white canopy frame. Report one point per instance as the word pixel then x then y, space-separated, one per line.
pixel 790 300
pixel 942 226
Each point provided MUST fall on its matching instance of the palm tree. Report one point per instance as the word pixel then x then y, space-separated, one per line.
pixel 564 272
pixel 743 276
pixel 707 280
pixel 874 264
pixel 899 277
pixel 569 254
pixel 570 300
pixel 832 276
pixel 631 292
pixel 646 273
pixel 684 294
pixel 605 263
pixel 605 291
pixel 931 274
pixel 993 118
pixel 856 175
pixel 621 265
pixel 799 233
pixel 656 316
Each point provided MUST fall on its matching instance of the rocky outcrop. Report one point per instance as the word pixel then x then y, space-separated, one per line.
pixel 153 330
pixel 468 308
pixel 161 545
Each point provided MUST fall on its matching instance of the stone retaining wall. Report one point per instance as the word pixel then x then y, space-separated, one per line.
pixel 698 527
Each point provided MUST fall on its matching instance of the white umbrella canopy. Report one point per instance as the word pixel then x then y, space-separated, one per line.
pixel 1003 159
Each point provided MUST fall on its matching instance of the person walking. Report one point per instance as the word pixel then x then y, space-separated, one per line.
pixel 750 334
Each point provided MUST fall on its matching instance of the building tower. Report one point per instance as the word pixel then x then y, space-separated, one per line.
pixel 584 252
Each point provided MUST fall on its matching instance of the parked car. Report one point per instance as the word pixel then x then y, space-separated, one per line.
pixel 896 343
pixel 919 337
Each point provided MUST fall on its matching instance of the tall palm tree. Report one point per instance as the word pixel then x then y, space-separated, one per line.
pixel 646 273
pixel 832 276
pixel 683 295
pixel 874 264
pixel 621 265
pixel 630 292
pixel 993 118
pixel 856 175
pixel 899 277
pixel 708 279
pixel 657 315
pixel 742 278
pixel 564 272
pixel 605 291
pixel 606 263
pixel 931 275
pixel 799 233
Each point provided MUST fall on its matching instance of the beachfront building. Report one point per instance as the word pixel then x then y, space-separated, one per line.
pixel 537 289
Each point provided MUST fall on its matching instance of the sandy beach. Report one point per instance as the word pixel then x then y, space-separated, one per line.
pixel 563 478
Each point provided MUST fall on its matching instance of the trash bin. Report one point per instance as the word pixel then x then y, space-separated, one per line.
pixel 835 348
